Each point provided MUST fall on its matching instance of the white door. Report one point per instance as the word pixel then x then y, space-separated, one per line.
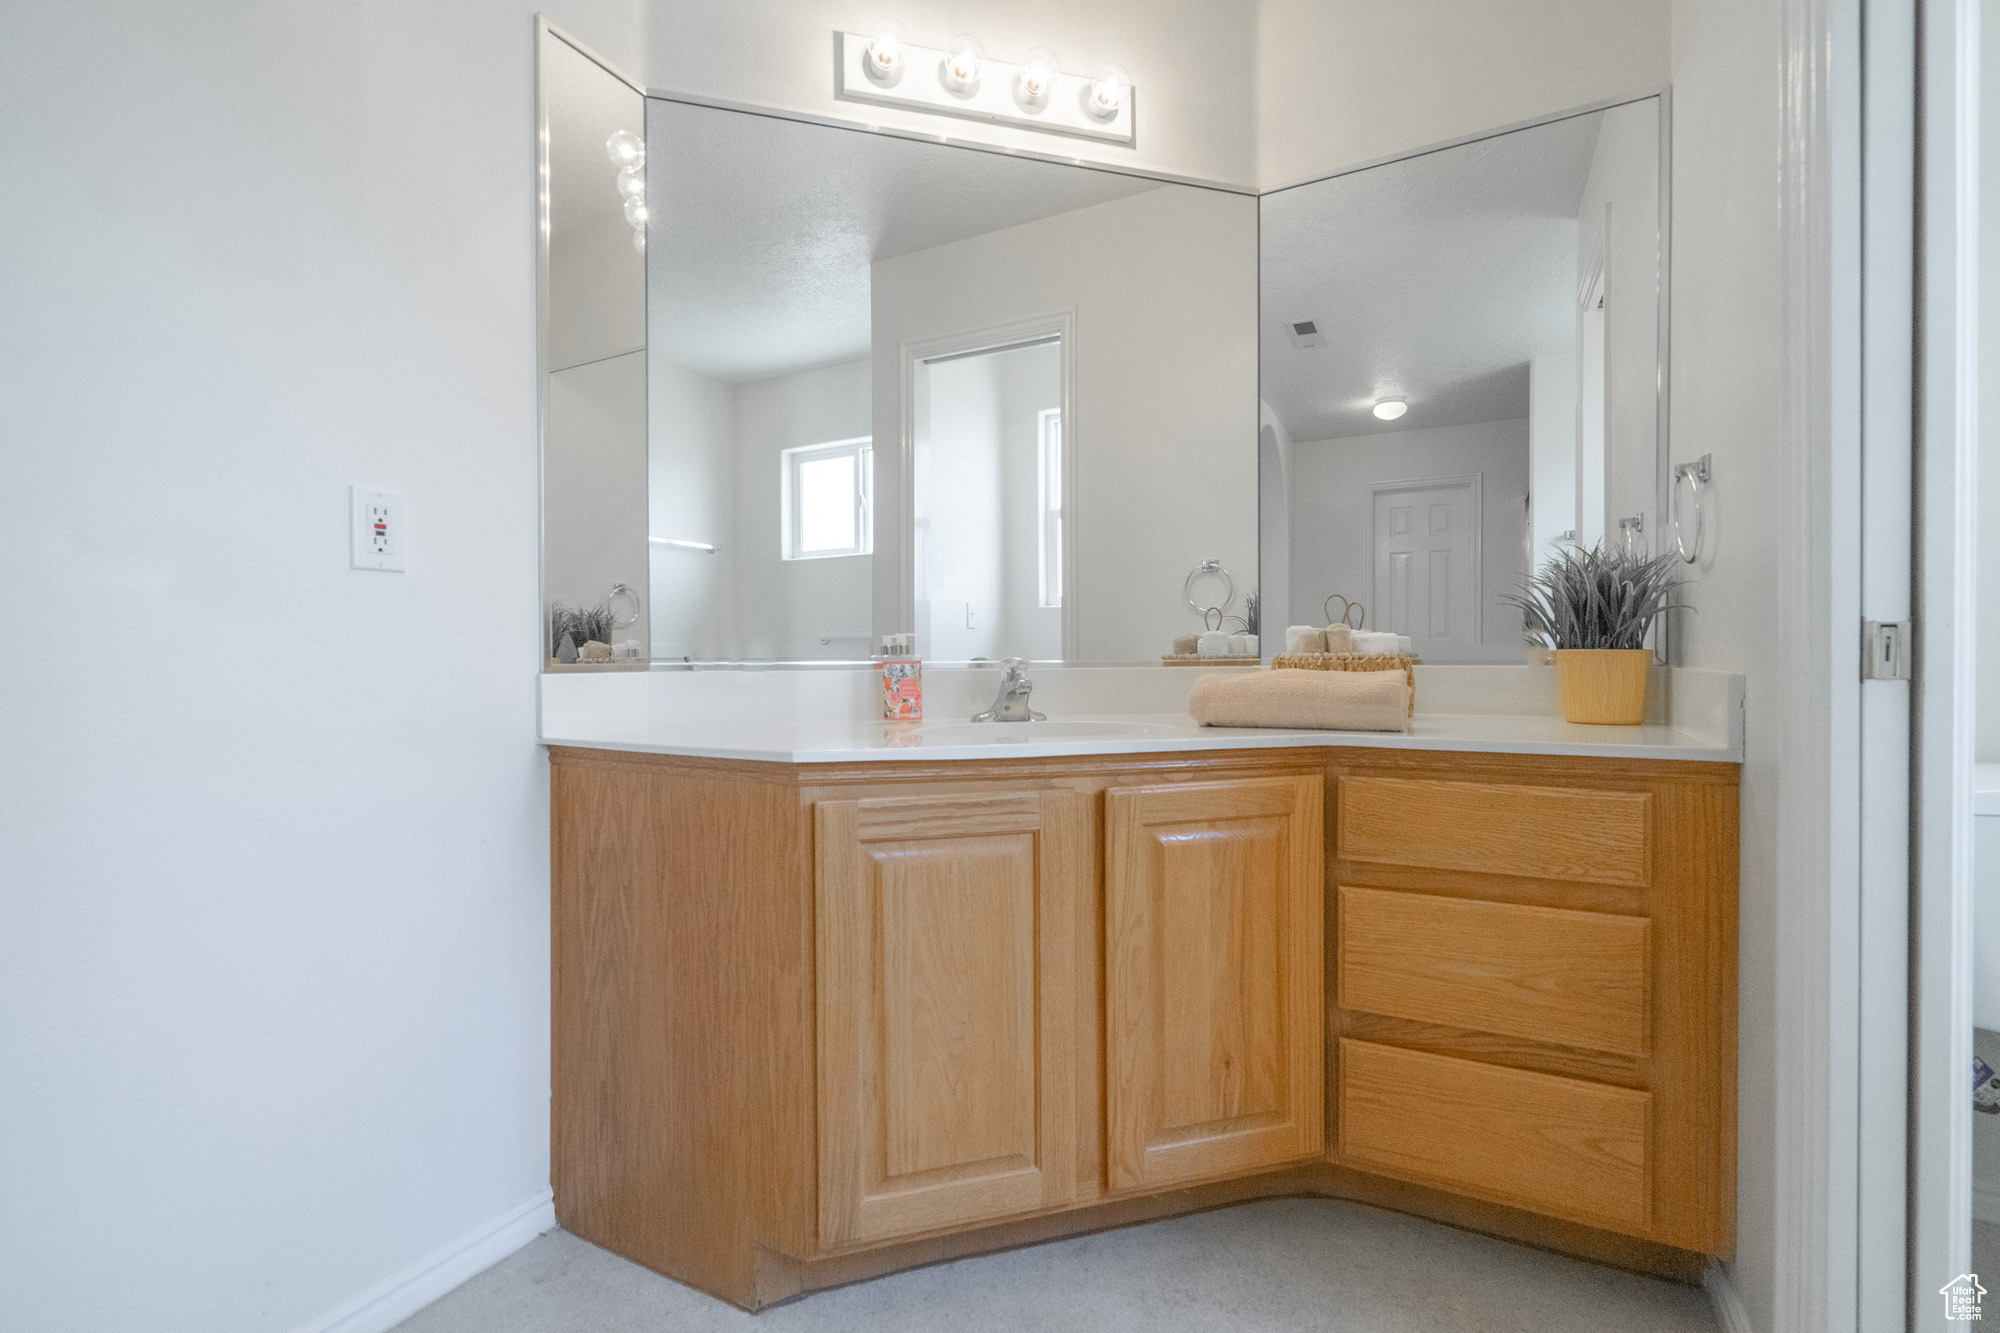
pixel 1426 548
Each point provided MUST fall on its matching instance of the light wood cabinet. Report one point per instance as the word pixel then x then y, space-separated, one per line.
pixel 815 1023
pixel 947 1091
pixel 1214 899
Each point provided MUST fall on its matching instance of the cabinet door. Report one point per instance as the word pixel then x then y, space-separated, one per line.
pixel 947 1010
pixel 1214 906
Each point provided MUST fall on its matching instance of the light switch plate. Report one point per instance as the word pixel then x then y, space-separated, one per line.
pixel 376 529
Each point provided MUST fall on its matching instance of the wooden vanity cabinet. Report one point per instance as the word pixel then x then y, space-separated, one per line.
pixel 815 1023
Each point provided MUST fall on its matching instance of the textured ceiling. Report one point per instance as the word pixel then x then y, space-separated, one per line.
pixel 1435 278
pixel 763 229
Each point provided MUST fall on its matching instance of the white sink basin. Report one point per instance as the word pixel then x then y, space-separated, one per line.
pixel 1002 733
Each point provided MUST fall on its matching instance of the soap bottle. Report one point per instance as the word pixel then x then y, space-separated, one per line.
pixel 902 679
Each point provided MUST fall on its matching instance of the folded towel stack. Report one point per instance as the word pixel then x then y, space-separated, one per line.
pixel 1305 700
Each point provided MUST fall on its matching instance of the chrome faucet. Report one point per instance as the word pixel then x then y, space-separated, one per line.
pixel 1011 704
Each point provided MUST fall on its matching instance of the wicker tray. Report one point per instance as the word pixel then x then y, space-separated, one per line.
pixel 1355 662
pixel 1195 659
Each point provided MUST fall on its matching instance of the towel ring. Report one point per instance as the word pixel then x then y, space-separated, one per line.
pixel 620 590
pixel 1347 608
pixel 1696 476
pixel 1229 588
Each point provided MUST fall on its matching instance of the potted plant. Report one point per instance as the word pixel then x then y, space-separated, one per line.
pixel 1594 608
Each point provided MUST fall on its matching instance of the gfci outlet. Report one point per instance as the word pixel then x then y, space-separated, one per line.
pixel 377 529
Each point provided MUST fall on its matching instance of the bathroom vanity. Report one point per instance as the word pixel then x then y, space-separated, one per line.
pixel 834 1012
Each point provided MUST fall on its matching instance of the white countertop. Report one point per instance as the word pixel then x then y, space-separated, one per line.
pixel 820 718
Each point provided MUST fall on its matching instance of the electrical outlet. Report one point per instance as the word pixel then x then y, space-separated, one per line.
pixel 376 529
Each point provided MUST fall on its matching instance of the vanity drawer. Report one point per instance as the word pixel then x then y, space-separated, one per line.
pixel 1554 1145
pixel 1596 836
pixel 1544 973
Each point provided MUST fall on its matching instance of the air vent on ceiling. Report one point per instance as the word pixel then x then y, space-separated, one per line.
pixel 1305 333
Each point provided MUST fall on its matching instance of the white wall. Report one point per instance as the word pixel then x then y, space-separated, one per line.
pixel 1191 64
pixel 1165 436
pixel 1332 524
pixel 1726 390
pixel 785 607
pixel 691 481
pixel 1552 449
pixel 1623 191
pixel 1342 82
pixel 273 926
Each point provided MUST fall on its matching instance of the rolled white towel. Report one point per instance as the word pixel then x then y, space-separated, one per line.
pixel 1213 644
pixel 1242 645
pixel 1373 642
pixel 1404 646
pixel 1304 639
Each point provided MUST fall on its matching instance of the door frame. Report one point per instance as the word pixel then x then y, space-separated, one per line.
pixel 911 358
pixel 1476 481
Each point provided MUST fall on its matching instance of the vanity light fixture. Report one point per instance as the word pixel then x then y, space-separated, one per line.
pixel 884 58
pixel 1038 75
pixel 1034 94
pixel 1388 409
pixel 1108 92
pixel 706 548
pixel 960 70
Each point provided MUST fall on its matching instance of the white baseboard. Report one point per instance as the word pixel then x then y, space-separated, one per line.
pixel 401 1295
pixel 1728 1302
pixel 1985 1202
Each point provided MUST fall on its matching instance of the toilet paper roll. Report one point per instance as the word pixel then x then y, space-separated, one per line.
pixel 1243 645
pixel 1213 644
pixel 1404 646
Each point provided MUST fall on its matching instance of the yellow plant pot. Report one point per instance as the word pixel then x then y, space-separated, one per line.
pixel 1606 686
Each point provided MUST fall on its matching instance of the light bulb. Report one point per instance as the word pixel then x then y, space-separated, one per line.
pixel 632 183
pixel 1038 75
pixel 960 70
pixel 1108 92
pixel 635 212
pixel 1391 408
pixel 626 149
pixel 639 239
pixel 884 58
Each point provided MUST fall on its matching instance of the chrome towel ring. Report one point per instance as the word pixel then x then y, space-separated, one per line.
pixel 1695 474
pixel 621 622
pixel 1207 567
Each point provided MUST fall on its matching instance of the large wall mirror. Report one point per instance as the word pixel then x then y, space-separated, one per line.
pixel 1461 375
pixel 808 386
pixel 805 386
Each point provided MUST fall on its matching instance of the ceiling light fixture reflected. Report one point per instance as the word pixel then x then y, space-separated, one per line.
pixel 1388 409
